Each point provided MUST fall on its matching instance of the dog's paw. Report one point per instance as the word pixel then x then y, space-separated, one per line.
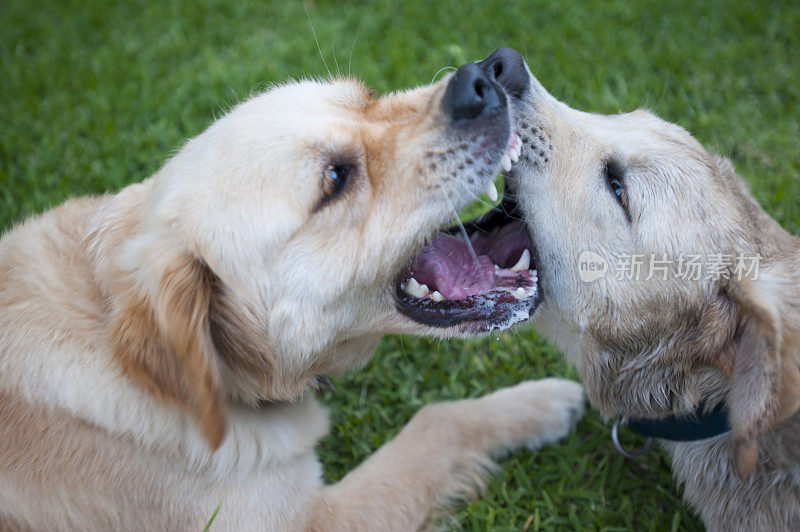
pixel 560 404
pixel 544 411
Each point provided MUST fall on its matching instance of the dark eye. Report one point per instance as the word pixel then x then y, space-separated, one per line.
pixel 616 188
pixel 335 180
pixel 615 177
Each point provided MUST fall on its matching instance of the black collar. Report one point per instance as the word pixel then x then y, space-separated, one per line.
pixel 698 425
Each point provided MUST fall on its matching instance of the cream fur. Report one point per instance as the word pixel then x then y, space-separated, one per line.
pixel 157 346
pixel 650 347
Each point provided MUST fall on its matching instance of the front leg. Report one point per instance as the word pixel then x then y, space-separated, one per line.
pixel 444 453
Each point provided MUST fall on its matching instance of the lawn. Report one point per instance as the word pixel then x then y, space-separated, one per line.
pixel 95 95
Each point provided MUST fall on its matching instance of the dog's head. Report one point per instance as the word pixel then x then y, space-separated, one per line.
pixel 282 242
pixel 662 279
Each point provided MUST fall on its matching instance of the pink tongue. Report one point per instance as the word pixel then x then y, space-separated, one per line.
pixel 448 265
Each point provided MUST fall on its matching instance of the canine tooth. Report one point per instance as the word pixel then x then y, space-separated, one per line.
pixel 491 191
pixel 523 263
pixel 505 163
pixel 515 153
pixel 412 287
pixel 436 296
pixel 519 293
pixel 496 267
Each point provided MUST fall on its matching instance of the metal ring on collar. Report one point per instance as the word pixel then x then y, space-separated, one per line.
pixel 629 454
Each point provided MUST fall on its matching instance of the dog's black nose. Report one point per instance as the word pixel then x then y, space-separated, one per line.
pixel 507 67
pixel 470 94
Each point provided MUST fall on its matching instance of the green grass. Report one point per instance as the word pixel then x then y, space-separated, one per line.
pixel 95 95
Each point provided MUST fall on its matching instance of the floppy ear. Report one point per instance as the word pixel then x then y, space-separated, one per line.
pixel 764 375
pixel 163 341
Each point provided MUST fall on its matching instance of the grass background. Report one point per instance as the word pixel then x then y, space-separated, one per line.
pixel 95 95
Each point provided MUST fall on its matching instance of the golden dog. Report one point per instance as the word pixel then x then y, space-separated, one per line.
pixel 605 196
pixel 157 345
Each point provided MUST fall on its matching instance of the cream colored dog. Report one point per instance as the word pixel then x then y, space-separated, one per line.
pixel 157 345
pixel 602 194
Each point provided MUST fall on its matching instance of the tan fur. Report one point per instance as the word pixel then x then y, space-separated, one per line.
pixel 653 346
pixel 159 346
pixel 165 345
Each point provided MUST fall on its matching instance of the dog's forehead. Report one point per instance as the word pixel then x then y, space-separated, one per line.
pixel 343 107
pixel 640 135
pixel 320 98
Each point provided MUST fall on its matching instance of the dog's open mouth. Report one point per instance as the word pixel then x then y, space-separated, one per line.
pixel 485 278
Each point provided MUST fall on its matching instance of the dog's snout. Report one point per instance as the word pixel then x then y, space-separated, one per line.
pixel 507 67
pixel 470 94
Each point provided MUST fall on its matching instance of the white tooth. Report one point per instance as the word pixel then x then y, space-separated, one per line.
pixel 523 263
pixel 423 290
pixel 519 293
pixel 496 267
pixel 505 163
pixel 412 287
pixel 491 191
pixel 436 296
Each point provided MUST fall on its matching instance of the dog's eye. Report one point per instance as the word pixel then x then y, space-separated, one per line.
pixel 335 179
pixel 338 174
pixel 616 188
pixel 614 175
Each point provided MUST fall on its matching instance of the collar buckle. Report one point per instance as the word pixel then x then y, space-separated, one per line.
pixel 624 452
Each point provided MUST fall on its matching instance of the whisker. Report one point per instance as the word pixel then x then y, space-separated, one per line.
pixel 440 71
pixel 497 207
pixel 516 200
pixel 314 33
pixel 478 198
pixel 350 60
pixel 462 228
pixel 333 46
